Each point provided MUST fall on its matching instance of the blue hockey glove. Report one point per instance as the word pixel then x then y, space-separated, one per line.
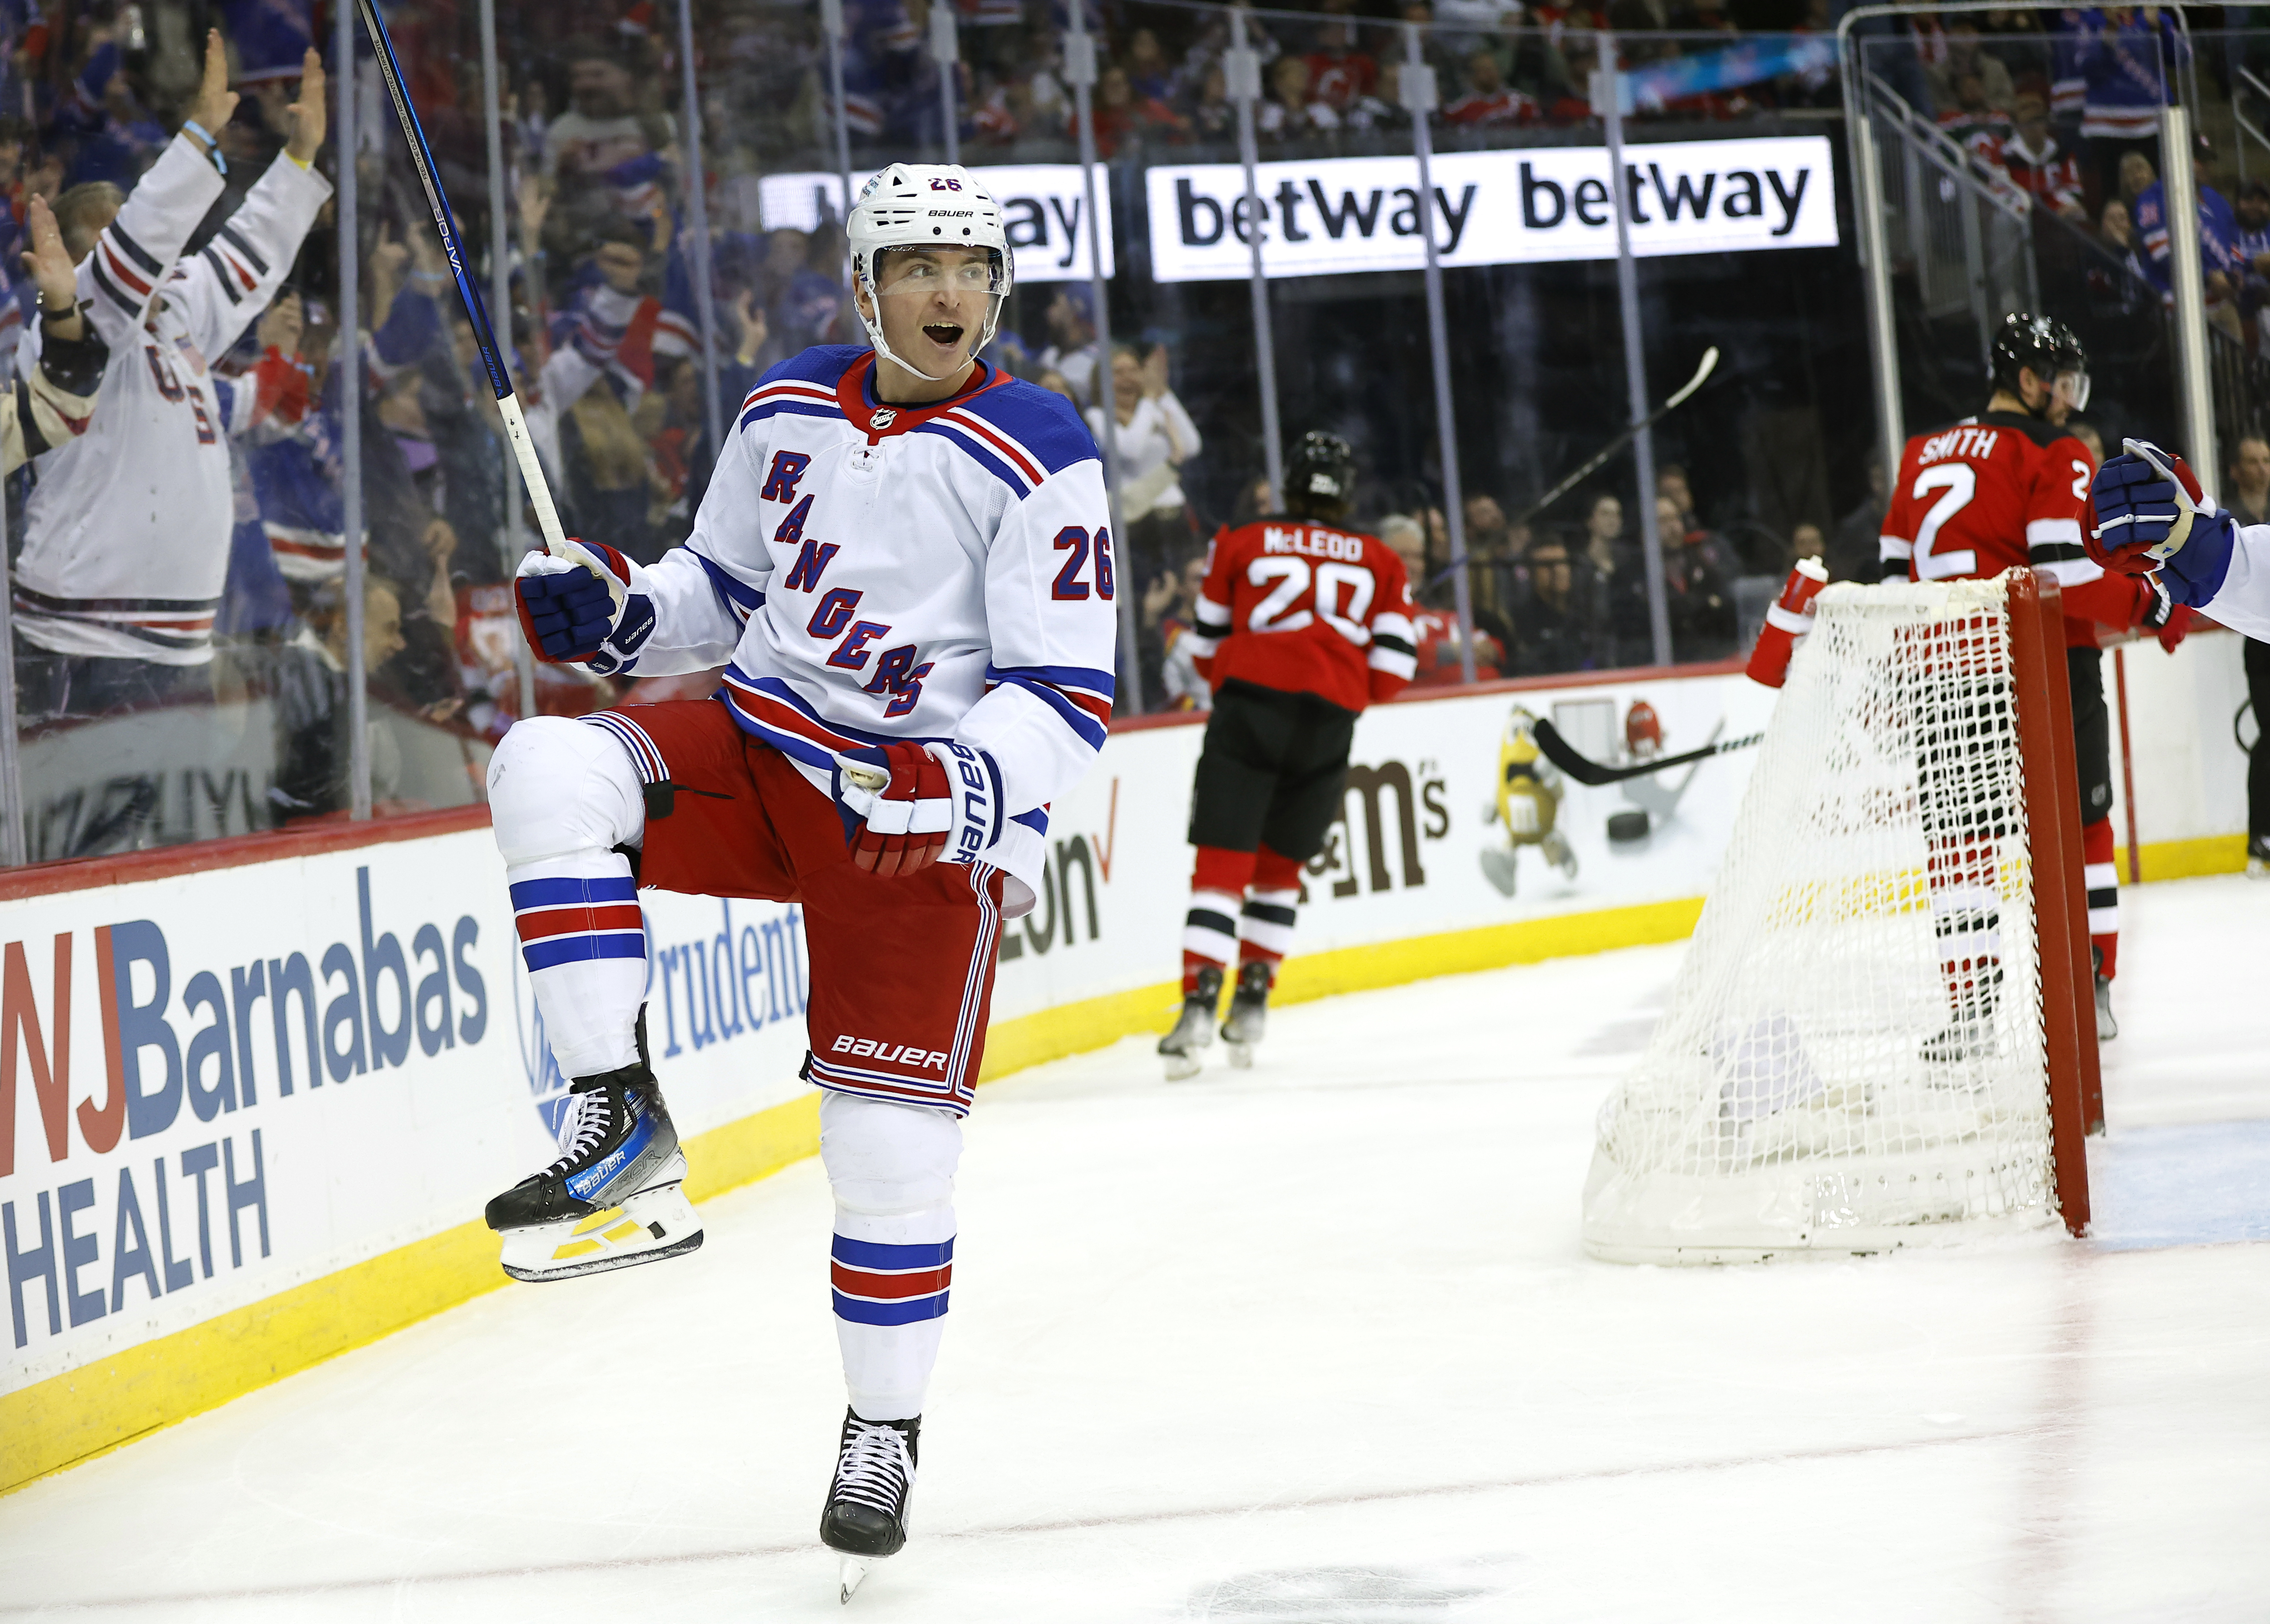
pixel 570 615
pixel 2151 514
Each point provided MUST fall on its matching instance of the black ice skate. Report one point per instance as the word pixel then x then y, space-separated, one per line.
pixel 1248 1012
pixel 865 1517
pixel 2106 1028
pixel 1193 1028
pixel 615 1197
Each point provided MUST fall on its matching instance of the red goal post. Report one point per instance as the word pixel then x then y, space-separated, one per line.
pixel 2076 1086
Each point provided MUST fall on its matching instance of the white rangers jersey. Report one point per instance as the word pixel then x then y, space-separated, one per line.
pixel 126 534
pixel 869 573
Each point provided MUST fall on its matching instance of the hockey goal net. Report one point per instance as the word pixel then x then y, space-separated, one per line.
pixel 1877 1037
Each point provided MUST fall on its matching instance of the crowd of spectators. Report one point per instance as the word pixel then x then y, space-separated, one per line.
pixel 604 334
pixel 1329 77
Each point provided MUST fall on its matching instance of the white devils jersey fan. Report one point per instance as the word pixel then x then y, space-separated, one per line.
pixel 127 532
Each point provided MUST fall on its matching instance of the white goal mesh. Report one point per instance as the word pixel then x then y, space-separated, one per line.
pixel 1853 1054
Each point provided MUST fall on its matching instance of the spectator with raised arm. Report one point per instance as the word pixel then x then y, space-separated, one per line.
pixel 1151 439
pixel 127 534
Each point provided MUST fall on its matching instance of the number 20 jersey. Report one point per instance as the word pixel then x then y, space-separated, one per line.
pixel 1306 609
pixel 1998 492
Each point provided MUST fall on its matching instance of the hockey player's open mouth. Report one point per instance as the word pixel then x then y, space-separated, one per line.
pixel 945 334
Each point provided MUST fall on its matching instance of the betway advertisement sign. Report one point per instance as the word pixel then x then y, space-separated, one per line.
pixel 1044 211
pixel 1498 208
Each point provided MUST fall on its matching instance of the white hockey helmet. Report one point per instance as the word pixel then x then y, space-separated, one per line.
pixel 925 205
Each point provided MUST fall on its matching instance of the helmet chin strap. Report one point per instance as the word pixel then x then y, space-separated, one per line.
pixel 874 326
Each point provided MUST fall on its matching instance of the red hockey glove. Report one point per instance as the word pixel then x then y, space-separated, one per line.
pixel 904 825
pixel 1788 620
pixel 922 804
pixel 2165 619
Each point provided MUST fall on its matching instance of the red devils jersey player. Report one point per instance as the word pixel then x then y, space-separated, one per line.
pixel 1301 624
pixel 2010 487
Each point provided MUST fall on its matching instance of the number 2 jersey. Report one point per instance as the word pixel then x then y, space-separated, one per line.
pixel 127 532
pixel 867 573
pixel 1306 609
pixel 1997 492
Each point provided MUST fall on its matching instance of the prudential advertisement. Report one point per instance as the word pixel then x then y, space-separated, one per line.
pixel 1516 206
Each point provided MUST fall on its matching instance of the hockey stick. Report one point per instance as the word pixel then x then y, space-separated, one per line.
pixel 1584 770
pixel 1703 372
pixel 515 427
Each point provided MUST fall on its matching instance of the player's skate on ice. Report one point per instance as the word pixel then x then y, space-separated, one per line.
pixel 1248 1012
pixel 1194 1025
pixel 865 1517
pixel 904 565
pixel 1300 625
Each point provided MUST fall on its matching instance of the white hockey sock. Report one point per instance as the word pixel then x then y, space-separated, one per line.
pixel 1210 929
pixel 583 941
pixel 562 796
pixel 891 1262
pixel 1265 925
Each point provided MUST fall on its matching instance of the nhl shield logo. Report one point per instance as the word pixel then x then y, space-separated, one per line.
pixel 885 418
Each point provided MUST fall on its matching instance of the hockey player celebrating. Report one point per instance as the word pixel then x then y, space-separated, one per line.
pixel 903 564
pixel 2008 488
pixel 1300 625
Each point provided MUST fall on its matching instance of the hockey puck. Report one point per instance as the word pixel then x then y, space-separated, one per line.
pixel 1625 826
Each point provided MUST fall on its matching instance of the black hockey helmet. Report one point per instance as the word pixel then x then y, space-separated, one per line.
pixel 2048 346
pixel 1320 476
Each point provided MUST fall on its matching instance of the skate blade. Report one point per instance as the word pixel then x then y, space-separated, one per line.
pixel 653 1225
pixel 1241 1055
pixel 1182 1068
pixel 855 1570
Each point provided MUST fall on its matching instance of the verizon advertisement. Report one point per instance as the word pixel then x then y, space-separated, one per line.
pixel 1500 208
pixel 1043 209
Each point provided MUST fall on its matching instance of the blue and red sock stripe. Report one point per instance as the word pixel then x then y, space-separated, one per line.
pixel 876 1283
pixel 567 919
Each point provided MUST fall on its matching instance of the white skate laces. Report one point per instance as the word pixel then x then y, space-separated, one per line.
pixel 583 1127
pixel 874 1470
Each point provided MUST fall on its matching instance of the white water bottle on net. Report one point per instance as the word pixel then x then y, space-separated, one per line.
pixel 1874 1040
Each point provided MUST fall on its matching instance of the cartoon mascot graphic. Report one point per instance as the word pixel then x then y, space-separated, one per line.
pixel 1527 804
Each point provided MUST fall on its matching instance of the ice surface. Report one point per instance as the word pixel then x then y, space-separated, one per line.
pixel 1311 1344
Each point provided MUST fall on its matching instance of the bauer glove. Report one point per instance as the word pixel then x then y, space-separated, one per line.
pixel 2150 515
pixel 916 805
pixel 572 616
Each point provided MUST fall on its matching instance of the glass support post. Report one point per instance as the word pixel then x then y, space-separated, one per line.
pixel 1242 74
pixel 946 51
pixel 500 316
pixel 831 28
pixel 1079 68
pixel 350 377
pixel 697 221
pixel 1419 94
pixel 1607 102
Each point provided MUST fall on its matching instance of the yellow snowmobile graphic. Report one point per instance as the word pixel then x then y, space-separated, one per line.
pixel 1527 804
